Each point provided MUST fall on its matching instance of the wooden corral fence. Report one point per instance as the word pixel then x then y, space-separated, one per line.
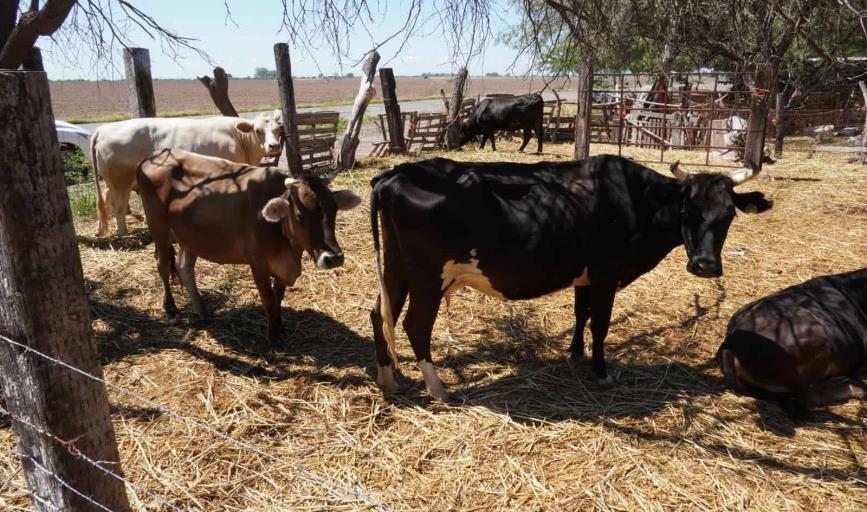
pixel 689 111
pixel 317 133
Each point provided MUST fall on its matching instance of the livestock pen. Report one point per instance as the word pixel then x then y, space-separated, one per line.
pixel 207 417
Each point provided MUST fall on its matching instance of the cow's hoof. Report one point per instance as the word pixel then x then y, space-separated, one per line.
pixel 606 383
pixel 578 356
pixel 385 380
pixel 439 394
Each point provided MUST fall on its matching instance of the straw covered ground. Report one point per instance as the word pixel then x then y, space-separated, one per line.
pixel 528 430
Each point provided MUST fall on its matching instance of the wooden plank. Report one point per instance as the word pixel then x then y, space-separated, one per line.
pixel 318 117
pixel 839 149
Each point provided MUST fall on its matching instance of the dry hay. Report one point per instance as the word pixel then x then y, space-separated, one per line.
pixel 529 430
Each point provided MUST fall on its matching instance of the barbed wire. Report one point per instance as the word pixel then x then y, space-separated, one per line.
pixel 337 490
pixel 35 497
pixel 73 450
pixel 63 482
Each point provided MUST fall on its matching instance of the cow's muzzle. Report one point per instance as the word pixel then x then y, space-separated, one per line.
pixel 328 259
pixel 704 267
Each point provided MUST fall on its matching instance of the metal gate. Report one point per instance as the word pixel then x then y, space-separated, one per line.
pixel 704 112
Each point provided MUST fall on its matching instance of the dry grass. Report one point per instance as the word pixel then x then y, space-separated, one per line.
pixel 529 430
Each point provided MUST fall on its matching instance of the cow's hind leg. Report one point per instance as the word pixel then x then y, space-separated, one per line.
pixel 834 391
pixel 601 302
pixel 187 273
pixel 262 278
pixel 118 201
pixel 528 132
pixel 493 144
pixel 395 291
pixel 424 304
pixel 102 212
pixel 540 134
pixel 582 314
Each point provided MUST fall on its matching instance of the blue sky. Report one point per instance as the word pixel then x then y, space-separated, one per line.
pixel 242 48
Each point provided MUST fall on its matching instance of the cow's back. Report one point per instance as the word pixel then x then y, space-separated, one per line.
pixel 127 143
pixel 821 323
pixel 211 205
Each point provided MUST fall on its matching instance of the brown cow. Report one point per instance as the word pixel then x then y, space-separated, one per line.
pixel 234 213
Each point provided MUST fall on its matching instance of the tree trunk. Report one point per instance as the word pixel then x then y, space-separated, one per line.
pixel 453 129
pixel 218 88
pixel 43 306
pixel 585 105
pixel 780 126
pixel 754 147
pixel 287 103
pixel 366 92
pixel 140 87
pixel 863 157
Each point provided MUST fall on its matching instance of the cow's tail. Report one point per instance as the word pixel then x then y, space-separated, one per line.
pixel 384 300
pixel 100 202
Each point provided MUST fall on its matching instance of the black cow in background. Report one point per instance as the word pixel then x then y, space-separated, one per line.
pixel 520 231
pixel 506 113
pixel 804 345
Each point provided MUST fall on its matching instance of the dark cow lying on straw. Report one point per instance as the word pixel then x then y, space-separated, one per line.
pixel 234 213
pixel 805 344
pixel 519 231
pixel 505 113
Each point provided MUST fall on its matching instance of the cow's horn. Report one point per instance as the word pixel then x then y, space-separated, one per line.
pixel 742 175
pixel 680 174
pixel 290 181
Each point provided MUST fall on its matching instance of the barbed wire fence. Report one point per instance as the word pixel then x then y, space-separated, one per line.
pixel 336 490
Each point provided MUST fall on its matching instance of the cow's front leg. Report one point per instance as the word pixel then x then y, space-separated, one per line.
pixel 601 302
pixel 582 314
pixel 493 144
pixel 269 300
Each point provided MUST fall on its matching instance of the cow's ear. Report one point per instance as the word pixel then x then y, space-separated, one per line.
pixel 244 126
pixel 275 209
pixel 346 199
pixel 751 202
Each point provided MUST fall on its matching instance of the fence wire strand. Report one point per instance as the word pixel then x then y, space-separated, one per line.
pixel 336 490
pixel 63 482
pixel 70 446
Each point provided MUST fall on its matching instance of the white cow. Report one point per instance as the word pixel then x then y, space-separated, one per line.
pixel 118 148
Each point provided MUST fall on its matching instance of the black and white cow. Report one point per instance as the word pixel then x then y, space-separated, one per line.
pixel 807 343
pixel 519 231
pixel 505 113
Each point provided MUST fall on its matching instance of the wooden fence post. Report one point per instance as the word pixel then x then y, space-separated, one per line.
pixel 754 147
pixel 43 306
pixel 585 107
pixel 366 92
pixel 781 128
pixel 137 62
pixel 287 102
pixel 453 129
pixel 392 111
